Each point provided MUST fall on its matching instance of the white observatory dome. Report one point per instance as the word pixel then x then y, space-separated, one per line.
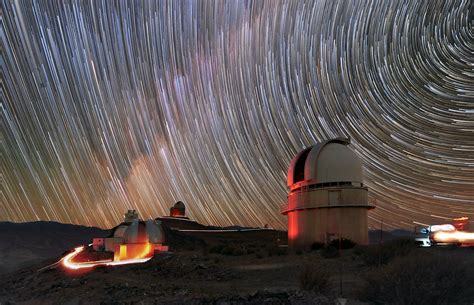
pixel 327 162
pixel 327 198
pixel 138 231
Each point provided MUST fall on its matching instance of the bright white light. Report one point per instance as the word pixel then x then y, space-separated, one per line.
pixel 444 228
pixel 454 237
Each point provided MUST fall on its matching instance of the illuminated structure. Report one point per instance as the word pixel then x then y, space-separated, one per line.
pixel 327 198
pixel 178 210
pixel 461 223
pixel 133 239
pixel 456 233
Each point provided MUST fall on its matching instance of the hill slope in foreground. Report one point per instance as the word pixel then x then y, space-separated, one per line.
pixel 249 268
pixel 23 244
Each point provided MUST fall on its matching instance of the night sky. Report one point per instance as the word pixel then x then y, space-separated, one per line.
pixel 111 105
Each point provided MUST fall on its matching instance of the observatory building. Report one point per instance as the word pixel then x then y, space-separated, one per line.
pixel 132 239
pixel 178 210
pixel 327 198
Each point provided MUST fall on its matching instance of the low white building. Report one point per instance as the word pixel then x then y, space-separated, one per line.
pixel 133 239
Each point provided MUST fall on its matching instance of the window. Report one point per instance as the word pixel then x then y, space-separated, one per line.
pixel 298 174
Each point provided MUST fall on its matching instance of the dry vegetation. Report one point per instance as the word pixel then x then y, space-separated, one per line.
pixel 423 277
pixel 256 271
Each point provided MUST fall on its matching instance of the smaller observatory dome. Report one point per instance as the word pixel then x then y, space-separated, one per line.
pixel 330 161
pixel 178 210
pixel 180 206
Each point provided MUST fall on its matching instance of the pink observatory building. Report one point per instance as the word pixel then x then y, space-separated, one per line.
pixel 327 197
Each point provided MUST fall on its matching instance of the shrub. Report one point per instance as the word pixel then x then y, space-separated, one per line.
pixel 314 277
pixel 216 248
pixel 250 250
pixel 238 252
pixel 329 252
pixel 316 246
pixel 344 244
pixel 421 279
pixel 282 251
pixel 277 251
pixel 228 250
pixel 373 255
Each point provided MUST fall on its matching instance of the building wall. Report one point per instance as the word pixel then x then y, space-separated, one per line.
pixel 324 224
pixel 175 212
pixel 322 214
pixel 111 242
pixel 322 197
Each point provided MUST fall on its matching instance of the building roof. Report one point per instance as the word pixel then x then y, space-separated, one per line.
pixel 328 161
pixel 179 205
pixel 139 231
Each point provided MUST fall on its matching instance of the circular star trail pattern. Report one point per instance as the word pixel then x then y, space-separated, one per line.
pixel 111 105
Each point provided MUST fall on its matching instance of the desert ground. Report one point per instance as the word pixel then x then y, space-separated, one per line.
pixel 251 268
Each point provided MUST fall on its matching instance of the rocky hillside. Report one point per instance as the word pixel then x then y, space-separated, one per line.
pixel 23 244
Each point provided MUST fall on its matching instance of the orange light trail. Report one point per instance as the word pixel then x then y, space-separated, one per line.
pixel 67 261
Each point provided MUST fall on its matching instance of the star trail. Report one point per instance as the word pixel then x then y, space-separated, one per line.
pixel 111 105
